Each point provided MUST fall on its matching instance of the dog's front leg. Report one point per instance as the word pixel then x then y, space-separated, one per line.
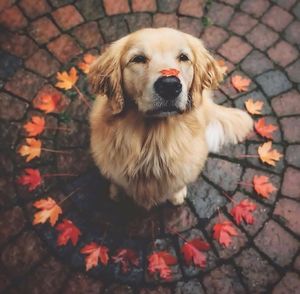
pixel 178 197
pixel 226 126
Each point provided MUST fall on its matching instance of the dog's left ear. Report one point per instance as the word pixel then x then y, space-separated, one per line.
pixel 105 76
pixel 207 72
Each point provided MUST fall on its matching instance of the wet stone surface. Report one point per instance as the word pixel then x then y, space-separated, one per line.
pixel 256 39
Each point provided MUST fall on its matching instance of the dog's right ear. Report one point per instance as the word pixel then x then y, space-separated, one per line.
pixel 207 72
pixel 105 76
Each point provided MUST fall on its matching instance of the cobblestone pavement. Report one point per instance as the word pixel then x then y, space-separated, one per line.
pixel 257 38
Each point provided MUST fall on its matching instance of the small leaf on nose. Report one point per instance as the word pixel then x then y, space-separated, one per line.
pixel 169 72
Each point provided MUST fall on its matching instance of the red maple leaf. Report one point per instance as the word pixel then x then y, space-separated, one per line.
pixel 243 211
pixel 160 262
pixel 126 257
pixel 31 177
pixel 68 231
pixel 95 253
pixel 223 232
pixel 191 251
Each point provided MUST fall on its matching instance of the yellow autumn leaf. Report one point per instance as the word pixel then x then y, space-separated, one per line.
pixel 32 149
pixel 67 80
pixel 254 107
pixel 267 154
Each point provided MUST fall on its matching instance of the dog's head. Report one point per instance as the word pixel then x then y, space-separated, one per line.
pixel 163 71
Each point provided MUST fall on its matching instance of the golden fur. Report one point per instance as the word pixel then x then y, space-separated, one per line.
pixel 153 158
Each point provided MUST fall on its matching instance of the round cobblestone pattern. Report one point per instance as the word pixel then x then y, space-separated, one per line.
pixel 258 39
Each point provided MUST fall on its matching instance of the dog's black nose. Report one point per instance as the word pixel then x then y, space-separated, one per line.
pixel 168 87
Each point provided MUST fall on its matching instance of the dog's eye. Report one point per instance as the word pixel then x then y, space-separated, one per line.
pixel 139 59
pixel 183 57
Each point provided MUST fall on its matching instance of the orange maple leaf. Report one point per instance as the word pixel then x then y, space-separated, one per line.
pixel 67 80
pixel 49 210
pixel 254 107
pixel 262 186
pixel 267 154
pixel 47 102
pixel 95 253
pixel 169 72
pixel 32 150
pixel 88 59
pixel 240 84
pixel 263 129
pixel 222 66
pixel 35 126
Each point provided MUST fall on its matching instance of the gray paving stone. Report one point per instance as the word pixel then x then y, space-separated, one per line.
pixel 205 198
pixel 296 10
pixel 8 64
pixel 255 95
pixel 113 28
pixel 274 82
pixel 293 71
pixel 256 63
pixel 168 5
pixel 91 9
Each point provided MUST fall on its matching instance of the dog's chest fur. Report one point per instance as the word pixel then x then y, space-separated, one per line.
pixel 149 157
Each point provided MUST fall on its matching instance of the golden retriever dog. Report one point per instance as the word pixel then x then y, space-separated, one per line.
pixel 154 121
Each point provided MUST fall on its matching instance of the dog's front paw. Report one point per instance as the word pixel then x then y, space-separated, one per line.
pixel 243 125
pixel 229 127
pixel 178 197
pixel 114 192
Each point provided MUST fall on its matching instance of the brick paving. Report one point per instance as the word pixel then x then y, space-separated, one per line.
pixel 257 39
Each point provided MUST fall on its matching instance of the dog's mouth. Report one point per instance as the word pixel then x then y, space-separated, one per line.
pixel 164 111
